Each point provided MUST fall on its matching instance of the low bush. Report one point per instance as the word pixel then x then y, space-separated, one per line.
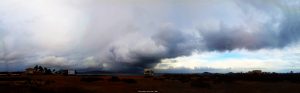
pixel 200 84
pixel 90 79
pixel 130 81
pixel 114 79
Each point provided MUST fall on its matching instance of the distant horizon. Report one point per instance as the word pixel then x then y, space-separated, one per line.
pixel 170 71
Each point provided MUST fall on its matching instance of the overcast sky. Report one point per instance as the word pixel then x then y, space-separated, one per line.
pixel 168 35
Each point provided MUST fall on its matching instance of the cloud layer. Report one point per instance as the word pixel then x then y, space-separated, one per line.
pixel 130 35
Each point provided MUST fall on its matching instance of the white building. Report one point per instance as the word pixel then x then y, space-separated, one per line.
pixel 71 72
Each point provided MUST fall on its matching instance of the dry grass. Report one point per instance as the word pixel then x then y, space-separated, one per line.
pixel 133 84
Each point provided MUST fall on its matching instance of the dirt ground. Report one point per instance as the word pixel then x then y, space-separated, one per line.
pixel 136 84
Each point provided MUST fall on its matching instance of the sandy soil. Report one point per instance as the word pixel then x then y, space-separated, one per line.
pixel 136 84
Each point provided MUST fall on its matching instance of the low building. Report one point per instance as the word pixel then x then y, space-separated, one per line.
pixel 29 71
pixel 255 72
pixel 148 72
pixel 67 72
pixel 71 72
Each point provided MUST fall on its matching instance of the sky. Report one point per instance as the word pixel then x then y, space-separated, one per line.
pixel 175 36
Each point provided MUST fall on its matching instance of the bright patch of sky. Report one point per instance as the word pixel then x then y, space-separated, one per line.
pixel 280 60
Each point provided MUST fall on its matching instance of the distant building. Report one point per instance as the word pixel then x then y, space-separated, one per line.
pixel 148 72
pixel 3 73
pixel 255 71
pixel 29 71
pixel 71 72
pixel 67 72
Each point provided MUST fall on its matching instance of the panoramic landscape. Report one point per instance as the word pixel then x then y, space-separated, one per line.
pixel 150 46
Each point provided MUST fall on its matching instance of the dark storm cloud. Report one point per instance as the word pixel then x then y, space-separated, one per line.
pixel 290 29
pixel 277 33
pixel 230 39
pixel 177 42
pixel 174 43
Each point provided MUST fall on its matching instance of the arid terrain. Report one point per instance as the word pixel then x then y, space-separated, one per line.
pixel 141 84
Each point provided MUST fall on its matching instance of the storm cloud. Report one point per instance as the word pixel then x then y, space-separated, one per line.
pixel 267 25
pixel 132 35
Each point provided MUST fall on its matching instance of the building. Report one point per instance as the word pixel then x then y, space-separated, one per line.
pixel 148 72
pixel 71 72
pixel 3 73
pixel 67 72
pixel 255 72
pixel 29 71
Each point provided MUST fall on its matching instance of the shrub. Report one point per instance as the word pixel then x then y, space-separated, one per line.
pixel 130 81
pixel 200 84
pixel 90 79
pixel 114 79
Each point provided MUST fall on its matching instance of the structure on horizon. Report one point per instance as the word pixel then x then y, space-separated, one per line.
pixel 71 72
pixel 148 72
pixel 29 71
pixel 255 71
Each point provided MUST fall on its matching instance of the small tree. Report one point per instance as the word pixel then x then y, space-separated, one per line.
pixel 45 69
pixel 48 71
pixel 41 69
pixel 53 71
pixel 36 67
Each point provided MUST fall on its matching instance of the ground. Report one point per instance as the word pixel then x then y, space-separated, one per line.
pixel 137 84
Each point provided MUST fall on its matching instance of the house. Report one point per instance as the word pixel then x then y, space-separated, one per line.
pixel 71 72
pixel 29 71
pixel 67 72
pixel 148 72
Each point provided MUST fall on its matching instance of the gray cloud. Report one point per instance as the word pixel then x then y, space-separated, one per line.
pixel 281 30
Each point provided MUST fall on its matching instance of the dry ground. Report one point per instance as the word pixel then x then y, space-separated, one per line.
pixel 135 84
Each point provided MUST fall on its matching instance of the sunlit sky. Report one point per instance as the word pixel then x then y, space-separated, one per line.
pixel 178 36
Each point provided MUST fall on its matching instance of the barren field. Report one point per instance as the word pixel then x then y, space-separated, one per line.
pixel 138 84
